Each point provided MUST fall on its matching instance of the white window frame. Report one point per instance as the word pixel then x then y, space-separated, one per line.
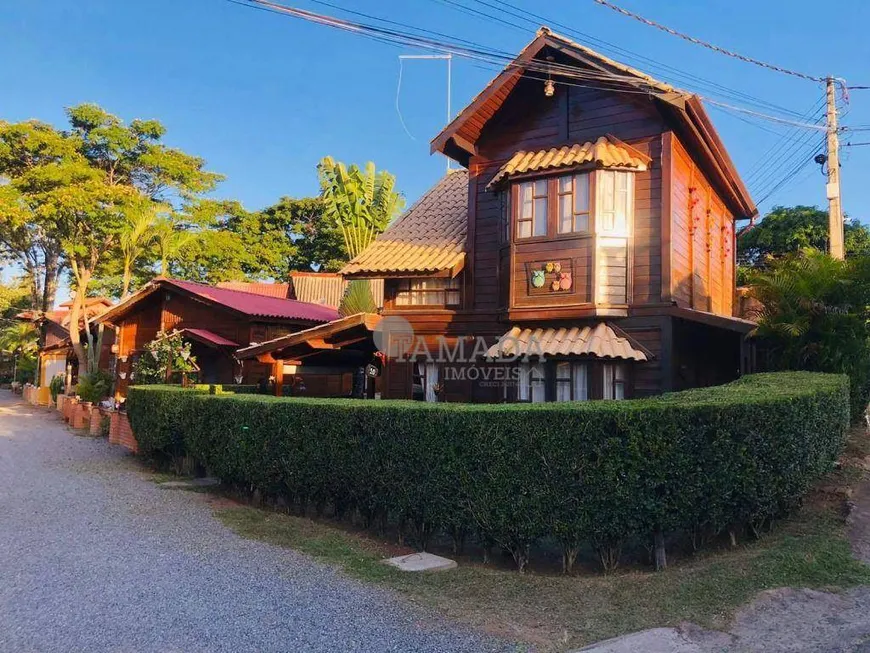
pixel 575 385
pixel 615 381
pixel 614 223
pixel 532 383
pixel 584 178
pixel 531 203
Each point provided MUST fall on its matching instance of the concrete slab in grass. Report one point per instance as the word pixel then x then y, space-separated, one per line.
pixel 421 562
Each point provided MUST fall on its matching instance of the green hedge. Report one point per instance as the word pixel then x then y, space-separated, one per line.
pixel 604 473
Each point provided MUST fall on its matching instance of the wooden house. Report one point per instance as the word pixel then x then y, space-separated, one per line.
pixel 216 321
pixel 588 241
pixel 56 354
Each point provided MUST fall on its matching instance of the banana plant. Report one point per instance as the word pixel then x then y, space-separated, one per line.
pixel 361 202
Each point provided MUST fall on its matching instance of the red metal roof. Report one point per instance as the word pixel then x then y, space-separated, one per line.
pixel 210 337
pixel 279 290
pixel 257 305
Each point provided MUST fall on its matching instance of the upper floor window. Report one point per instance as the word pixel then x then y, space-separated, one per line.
pixel 600 201
pixel 574 203
pixel 614 201
pixel 428 292
pixel 533 205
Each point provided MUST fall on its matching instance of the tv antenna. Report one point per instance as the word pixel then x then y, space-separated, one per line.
pixel 446 57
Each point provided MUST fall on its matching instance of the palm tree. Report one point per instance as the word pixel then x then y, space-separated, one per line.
pixel 813 315
pixel 361 203
pixel 170 241
pixel 136 237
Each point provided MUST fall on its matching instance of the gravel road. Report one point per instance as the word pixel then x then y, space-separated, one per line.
pixel 95 557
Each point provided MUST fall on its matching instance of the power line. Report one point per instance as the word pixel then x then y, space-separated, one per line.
pixel 782 147
pixel 765 175
pixel 712 87
pixel 709 46
pixel 791 135
pixel 389 35
pixel 791 174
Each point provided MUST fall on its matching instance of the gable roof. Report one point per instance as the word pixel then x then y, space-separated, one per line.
pixel 458 139
pixel 607 152
pixel 428 239
pixel 250 305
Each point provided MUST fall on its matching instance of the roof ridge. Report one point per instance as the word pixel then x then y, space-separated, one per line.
pixel 236 290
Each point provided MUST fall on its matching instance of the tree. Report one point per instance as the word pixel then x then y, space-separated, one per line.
pixel 137 234
pixel 361 203
pixel 19 340
pixel 117 170
pixel 787 230
pixel 170 240
pixel 29 151
pixel 164 356
pixel 314 242
pixel 814 316
pixel 14 298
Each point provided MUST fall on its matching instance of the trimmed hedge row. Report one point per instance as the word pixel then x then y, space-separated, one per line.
pixel 698 462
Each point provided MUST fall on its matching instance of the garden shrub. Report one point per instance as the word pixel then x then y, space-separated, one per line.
pixel 699 462
pixel 56 387
pixel 94 386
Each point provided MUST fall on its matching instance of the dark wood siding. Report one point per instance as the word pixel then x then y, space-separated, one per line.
pixel 530 121
pixel 702 238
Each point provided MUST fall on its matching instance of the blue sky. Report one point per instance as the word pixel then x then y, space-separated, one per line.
pixel 263 97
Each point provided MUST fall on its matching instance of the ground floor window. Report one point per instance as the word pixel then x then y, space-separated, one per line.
pixel 537 382
pixel 428 292
pixel 615 376
pixel 531 383
pixel 426 381
pixel 572 381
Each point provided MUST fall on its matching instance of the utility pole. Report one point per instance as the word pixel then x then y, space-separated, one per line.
pixel 835 208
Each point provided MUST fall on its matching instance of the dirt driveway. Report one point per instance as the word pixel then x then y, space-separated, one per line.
pixel 96 557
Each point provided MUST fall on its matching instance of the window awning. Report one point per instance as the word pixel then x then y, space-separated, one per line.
pixel 601 341
pixel 607 152
pixel 209 338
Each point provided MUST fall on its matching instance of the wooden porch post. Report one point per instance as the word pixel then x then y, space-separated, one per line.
pixel 278 373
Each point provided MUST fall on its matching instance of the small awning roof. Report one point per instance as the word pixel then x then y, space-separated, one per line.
pixel 209 338
pixel 606 152
pixel 330 336
pixel 601 341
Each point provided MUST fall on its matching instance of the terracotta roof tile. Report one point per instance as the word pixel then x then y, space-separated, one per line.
pixel 428 238
pixel 606 152
pixel 602 341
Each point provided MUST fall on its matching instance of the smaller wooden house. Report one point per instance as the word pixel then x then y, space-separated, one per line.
pixel 56 354
pixel 216 320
